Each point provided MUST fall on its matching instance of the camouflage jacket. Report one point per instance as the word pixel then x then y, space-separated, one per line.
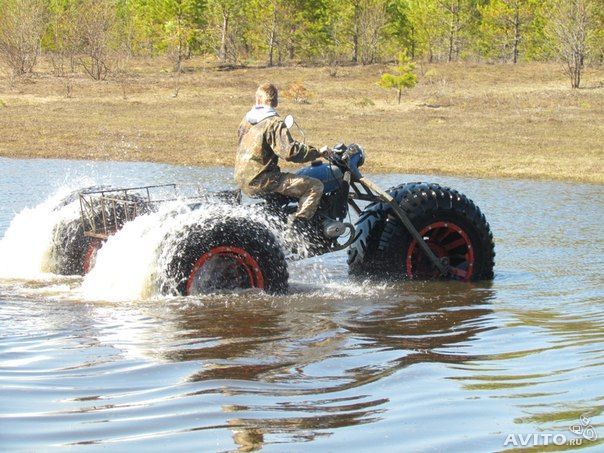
pixel 260 147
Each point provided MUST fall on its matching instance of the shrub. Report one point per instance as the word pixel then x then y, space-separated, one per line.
pixel 365 102
pixel 96 23
pixel 23 23
pixel 298 93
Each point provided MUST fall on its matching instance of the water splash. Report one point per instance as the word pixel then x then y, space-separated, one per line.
pixel 26 245
pixel 131 264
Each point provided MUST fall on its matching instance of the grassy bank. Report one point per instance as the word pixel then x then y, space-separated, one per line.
pixel 461 119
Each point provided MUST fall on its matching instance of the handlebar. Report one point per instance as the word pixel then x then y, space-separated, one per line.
pixel 340 158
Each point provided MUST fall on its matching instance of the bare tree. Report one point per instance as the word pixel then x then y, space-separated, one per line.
pixel 178 34
pixel 355 31
pixel 177 55
pixel 121 68
pixel 96 24
pixel 569 28
pixel 517 24
pixel 62 45
pixel 272 33
pixel 123 49
pixel 226 14
pixel 453 13
pixel 22 24
pixel 369 19
pixel 373 18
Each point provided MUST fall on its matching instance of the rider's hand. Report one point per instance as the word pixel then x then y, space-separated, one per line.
pixel 326 152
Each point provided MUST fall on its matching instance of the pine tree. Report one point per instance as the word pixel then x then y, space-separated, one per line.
pixel 403 76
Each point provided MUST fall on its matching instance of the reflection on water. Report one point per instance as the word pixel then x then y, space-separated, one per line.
pixel 262 361
pixel 413 366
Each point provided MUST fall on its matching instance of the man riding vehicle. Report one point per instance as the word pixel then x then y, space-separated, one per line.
pixel 263 139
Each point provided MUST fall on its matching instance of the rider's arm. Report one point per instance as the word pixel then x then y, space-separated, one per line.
pixel 289 149
pixel 243 129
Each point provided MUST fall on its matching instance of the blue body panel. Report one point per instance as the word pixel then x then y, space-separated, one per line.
pixel 329 175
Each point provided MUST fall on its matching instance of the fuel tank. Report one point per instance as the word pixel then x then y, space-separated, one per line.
pixel 330 175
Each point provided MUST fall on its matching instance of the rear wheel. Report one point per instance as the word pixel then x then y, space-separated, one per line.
pixel 451 224
pixel 90 253
pixel 68 248
pixel 228 255
pixel 74 253
pixel 224 267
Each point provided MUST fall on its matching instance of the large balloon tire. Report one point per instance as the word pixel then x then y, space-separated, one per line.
pixel 69 248
pixel 72 252
pixel 249 246
pixel 384 249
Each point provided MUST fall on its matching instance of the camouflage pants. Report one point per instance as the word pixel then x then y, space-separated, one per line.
pixel 308 190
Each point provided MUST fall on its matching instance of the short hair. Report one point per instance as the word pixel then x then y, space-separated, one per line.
pixel 267 94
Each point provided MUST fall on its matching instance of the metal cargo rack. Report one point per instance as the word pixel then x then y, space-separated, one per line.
pixel 104 211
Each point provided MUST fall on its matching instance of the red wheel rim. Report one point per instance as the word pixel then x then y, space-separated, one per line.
pixel 448 242
pixel 224 267
pixel 90 255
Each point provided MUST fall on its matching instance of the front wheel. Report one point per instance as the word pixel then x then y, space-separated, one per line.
pixel 68 249
pixel 451 224
pixel 226 255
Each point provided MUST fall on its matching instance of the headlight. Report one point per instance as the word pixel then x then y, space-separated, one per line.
pixel 353 150
pixel 362 160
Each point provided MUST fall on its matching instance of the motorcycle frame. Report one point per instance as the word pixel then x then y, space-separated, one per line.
pixel 353 178
pixel 372 192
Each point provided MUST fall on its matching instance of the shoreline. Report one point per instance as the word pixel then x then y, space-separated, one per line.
pixel 293 168
pixel 469 120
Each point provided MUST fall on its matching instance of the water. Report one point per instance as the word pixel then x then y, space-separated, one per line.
pixel 98 362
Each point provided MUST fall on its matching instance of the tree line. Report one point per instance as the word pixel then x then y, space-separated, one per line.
pixel 99 36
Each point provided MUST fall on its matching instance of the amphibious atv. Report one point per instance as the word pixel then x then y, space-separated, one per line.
pixel 414 231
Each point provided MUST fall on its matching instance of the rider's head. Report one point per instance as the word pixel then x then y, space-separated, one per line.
pixel 267 94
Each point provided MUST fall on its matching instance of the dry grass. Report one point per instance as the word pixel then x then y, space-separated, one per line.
pixel 462 119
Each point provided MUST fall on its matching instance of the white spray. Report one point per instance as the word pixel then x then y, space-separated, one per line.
pixel 131 264
pixel 25 247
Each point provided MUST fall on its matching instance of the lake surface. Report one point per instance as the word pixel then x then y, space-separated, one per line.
pixel 413 366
